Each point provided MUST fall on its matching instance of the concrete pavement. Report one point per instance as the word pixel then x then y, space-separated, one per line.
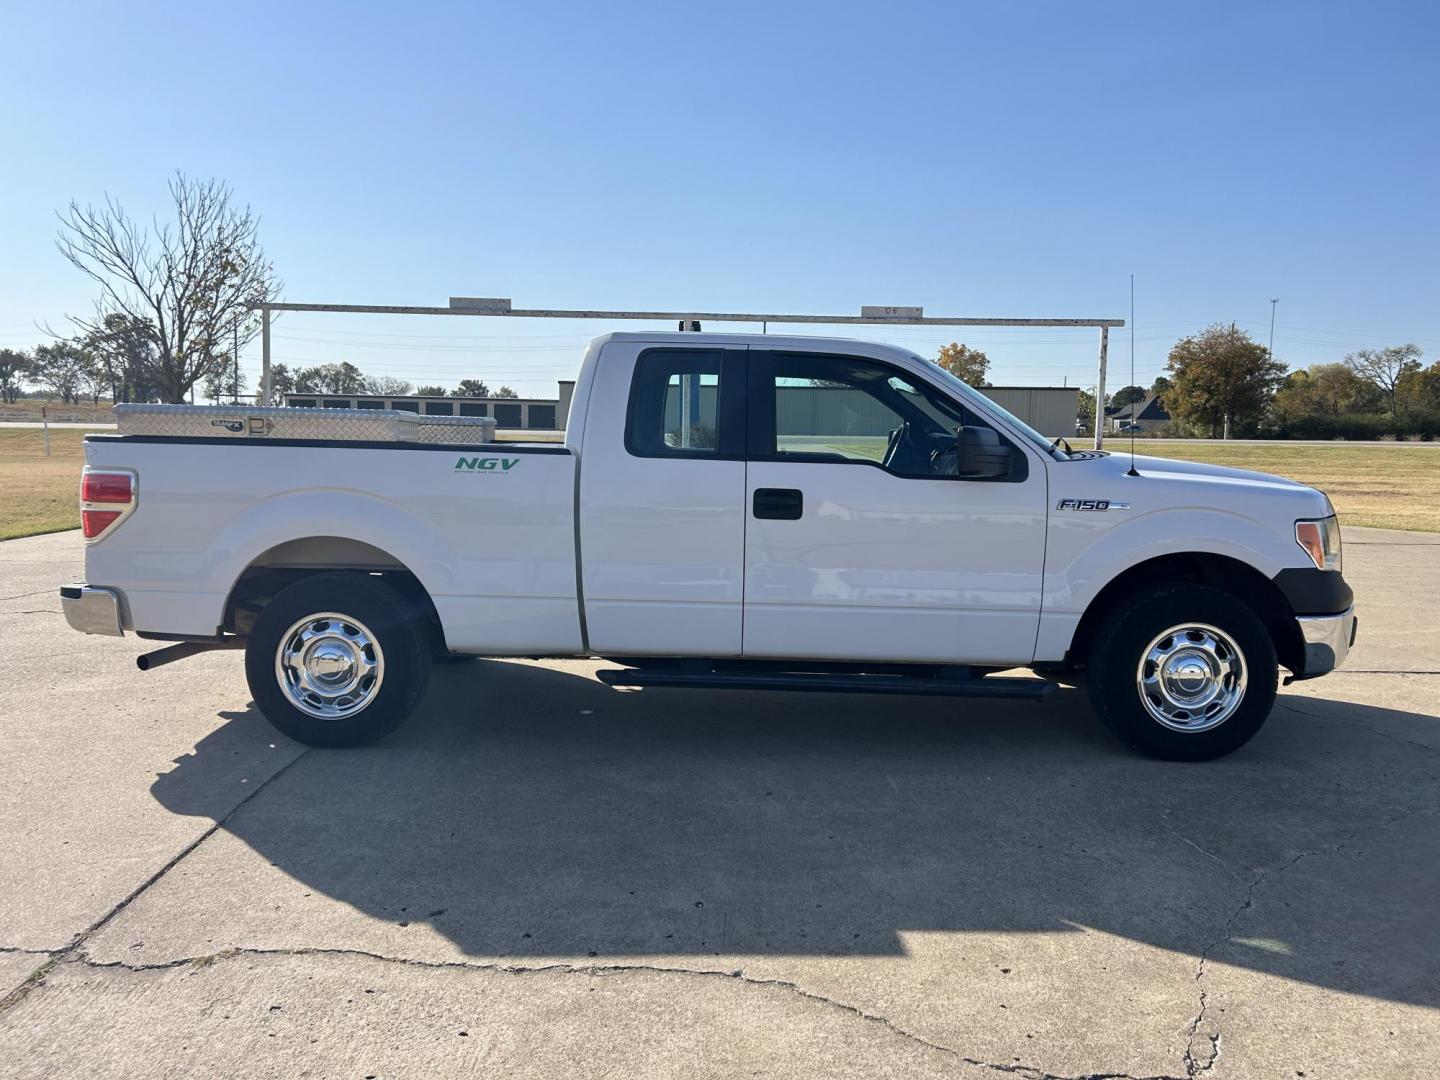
pixel 542 875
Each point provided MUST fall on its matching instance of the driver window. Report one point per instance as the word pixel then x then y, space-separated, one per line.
pixel 830 408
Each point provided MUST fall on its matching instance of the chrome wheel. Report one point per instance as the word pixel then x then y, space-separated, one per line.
pixel 1191 677
pixel 330 666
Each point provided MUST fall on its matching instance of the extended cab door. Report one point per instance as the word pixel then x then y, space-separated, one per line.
pixel 662 501
pixel 862 541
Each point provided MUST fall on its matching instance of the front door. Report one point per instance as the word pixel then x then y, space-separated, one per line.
pixel 862 541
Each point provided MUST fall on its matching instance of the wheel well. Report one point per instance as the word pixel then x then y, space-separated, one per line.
pixel 1240 580
pixel 283 565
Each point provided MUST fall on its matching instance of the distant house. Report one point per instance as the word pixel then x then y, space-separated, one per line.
pixel 1150 414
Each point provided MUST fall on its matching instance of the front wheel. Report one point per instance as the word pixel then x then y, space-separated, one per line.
pixel 337 660
pixel 1183 672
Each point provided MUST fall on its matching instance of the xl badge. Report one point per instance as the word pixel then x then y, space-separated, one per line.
pixel 1091 504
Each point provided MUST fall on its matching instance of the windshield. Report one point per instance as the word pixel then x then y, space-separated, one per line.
pixel 966 393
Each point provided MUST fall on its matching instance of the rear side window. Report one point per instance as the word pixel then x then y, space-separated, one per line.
pixel 682 404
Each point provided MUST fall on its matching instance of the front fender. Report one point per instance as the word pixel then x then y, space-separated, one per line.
pixel 1083 556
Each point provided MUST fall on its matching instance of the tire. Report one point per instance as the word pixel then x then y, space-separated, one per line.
pixel 1222 647
pixel 359 660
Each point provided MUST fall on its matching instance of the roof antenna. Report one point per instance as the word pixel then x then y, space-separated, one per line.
pixel 1135 419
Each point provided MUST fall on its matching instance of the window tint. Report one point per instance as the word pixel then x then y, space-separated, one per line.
pixel 840 408
pixel 675 404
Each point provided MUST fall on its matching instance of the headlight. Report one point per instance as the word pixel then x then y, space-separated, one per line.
pixel 1321 541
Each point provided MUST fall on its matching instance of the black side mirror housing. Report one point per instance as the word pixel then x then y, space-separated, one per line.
pixel 980 454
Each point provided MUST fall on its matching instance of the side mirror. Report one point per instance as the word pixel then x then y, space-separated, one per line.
pixel 980 454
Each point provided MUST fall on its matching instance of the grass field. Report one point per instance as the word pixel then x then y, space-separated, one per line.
pixel 1387 487
pixel 40 494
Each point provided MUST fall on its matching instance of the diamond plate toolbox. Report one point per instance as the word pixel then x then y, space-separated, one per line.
pixel 310 425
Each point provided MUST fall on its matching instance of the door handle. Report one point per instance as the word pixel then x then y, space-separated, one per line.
pixel 779 504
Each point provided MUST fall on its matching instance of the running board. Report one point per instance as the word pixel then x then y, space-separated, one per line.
pixel 924 685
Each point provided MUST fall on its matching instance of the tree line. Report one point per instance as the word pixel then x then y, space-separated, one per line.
pixel 1221 378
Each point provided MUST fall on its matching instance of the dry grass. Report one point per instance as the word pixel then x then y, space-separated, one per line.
pixel 1386 486
pixel 40 494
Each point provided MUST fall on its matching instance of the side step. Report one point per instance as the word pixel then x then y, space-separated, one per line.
pixel 924 685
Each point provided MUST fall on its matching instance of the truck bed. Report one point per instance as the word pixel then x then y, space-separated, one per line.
pixel 487 528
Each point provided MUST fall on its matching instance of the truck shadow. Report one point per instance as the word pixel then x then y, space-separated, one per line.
pixel 532 811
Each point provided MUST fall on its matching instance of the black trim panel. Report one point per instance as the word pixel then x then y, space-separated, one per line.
pixel 1312 591
pixel 337 444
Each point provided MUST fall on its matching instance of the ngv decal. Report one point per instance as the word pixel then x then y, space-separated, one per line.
pixel 1090 504
pixel 486 464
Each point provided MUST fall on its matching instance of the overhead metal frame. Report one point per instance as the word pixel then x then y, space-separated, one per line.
pixel 501 308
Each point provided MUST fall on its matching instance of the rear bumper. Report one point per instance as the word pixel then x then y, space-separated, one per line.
pixel 92 610
pixel 1327 639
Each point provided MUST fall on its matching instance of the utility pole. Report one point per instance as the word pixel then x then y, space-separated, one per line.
pixel 1273 302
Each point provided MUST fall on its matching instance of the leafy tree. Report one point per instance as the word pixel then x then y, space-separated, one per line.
pixel 1159 386
pixel 282 382
pixel 228 384
pixel 192 281
pixel 430 391
pixel 16 368
pixel 506 392
pixel 387 386
pixel 1085 408
pixel 966 364
pixel 1324 390
pixel 1419 388
pixel 61 369
pixel 1128 395
pixel 471 388
pixel 124 351
pixel 1218 373
pixel 344 378
pixel 1385 368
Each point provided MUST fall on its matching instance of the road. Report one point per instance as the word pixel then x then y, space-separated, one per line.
pixel 545 877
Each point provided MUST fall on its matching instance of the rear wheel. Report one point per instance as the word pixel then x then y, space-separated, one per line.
pixel 337 660
pixel 1183 672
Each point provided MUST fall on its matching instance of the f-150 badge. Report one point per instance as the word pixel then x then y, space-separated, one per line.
pixel 1090 504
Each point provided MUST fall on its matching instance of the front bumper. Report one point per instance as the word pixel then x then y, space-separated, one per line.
pixel 92 610
pixel 1328 639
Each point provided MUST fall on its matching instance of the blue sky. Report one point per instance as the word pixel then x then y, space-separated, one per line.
pixel 999 159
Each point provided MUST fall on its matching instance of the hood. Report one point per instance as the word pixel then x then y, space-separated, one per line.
pixel 1170 481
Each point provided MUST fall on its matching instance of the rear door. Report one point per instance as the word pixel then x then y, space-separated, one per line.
pixel 662 497
pixel 862 541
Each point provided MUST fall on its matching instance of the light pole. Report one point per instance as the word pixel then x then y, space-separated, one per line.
pixel 1273 302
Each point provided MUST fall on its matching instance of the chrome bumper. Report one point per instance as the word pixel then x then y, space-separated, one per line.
pixel 1328 639
pixel 92 610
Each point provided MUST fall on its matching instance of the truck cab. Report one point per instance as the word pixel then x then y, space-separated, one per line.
pixel 732 511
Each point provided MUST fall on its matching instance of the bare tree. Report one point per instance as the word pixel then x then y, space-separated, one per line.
pixel 387 385
pixel 1386 367
pixel 191 281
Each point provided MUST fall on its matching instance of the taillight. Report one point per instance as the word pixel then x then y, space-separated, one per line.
pixel 95 522
pixel 106 497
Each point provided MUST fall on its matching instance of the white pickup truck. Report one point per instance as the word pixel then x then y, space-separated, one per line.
pixel 727 511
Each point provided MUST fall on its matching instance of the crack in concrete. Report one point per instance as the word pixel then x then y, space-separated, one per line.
pixel 23 595
pixel 1028 1072
pixel 1165 822
pixel 1199 1064
pixel 36 977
